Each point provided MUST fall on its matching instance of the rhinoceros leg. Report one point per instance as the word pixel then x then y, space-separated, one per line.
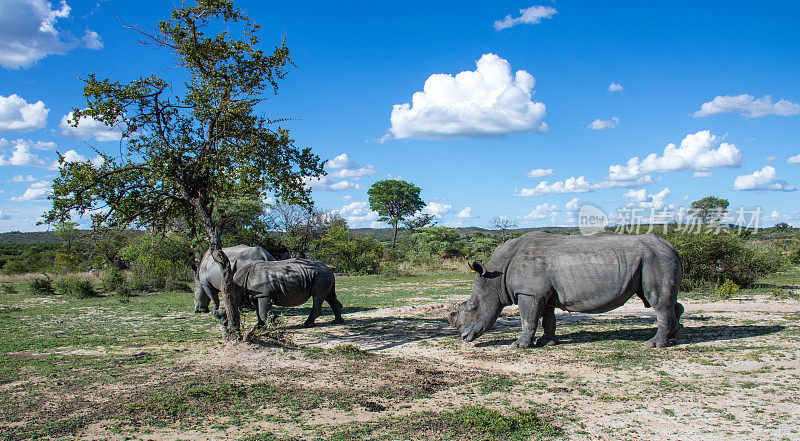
pixel 531 308
pixel 316 311
pixel 549 324
pixel 336 306
pixel 661 289
pixel 263 305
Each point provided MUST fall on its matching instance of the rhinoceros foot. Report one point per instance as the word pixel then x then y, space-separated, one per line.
pixel 338 321
pixel 520 343
pixel 546 340
pixel 676 332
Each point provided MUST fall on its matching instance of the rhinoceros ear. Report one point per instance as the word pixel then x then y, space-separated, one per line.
pixel 477 266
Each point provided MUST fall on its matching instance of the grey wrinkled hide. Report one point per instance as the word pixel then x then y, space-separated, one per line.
pixel 541 271
pixel 288 282
pixel 208 277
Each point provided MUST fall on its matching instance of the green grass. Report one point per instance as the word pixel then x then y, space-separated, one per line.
pixel 468 422
pixel 500 383
pixel 69 348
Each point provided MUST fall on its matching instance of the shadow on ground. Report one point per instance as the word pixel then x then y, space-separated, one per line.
pixel 691 334
pixel 387 332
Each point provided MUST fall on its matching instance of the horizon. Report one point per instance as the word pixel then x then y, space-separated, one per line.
pixel 525 110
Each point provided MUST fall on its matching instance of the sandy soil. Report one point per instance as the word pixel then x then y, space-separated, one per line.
pixel 733 374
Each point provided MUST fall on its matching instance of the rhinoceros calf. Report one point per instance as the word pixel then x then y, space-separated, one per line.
pixel 593 274
pixel 208 277
pixel 288 282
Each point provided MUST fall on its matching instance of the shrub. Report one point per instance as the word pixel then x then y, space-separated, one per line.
pixel 709 258
pixel 40 286
pixel 14 267
pixel 156 260
pixel 727 290
pixel 439 241
pixel 112 279
pixel 391 269
pixel 8 288
pixel 349 254
pixel 794 254
pixel 75 287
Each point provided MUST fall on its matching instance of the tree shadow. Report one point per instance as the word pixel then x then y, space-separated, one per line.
pixel 387 332
pixel 773 285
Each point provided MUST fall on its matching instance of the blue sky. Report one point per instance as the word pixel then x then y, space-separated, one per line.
pixel 719 80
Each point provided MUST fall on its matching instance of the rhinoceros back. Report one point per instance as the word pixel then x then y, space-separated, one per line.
pixel 589 273
pixel 287 282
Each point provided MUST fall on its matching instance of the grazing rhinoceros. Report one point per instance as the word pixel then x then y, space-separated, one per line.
pixel 288 282
pixel 541 272
pixel 208 277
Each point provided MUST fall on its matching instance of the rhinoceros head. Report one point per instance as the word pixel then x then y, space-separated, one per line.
pixel 479 312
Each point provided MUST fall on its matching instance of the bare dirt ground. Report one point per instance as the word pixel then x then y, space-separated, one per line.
pixel 401 372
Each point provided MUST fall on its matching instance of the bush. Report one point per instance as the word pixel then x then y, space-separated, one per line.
pixel 40 286
pixel 8 288
pixel 14 267
pixel 709 259
pixel 794 254
pixel 349 254
pixel 75 287
pixel 727 290
pixel 442 242
pixel 112 279
pixel 154 261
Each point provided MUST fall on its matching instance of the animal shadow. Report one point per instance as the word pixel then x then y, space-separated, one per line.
pixel 690 335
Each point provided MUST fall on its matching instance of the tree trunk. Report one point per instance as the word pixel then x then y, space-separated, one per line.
pixel 228 292
pixel 394 239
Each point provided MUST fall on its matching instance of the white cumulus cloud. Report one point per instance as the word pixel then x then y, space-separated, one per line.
pixel 615 87
pixel 582 185
pixel 655 201
pixel 771 158
pixel 20 178
pixel 21 155
pixel 17 115
pixel 748 106
pixel 92 41
pixel 487 102
pixel 636 195
pixel 437 209
pixel 466 213
pixel 702 174
pixel 345 168
pixel 603 124
pixel 794 159
pixel 323 183
pixel 540 173
pixel 624 183
pixel 73 156
pixel 696 152
pixel 543 211
pixel 89 127
pixel 37 191
pixel 762 180
pixel 569 185
pixel 573 205
pixel 357 213
pixel 29 32
pixel 533 15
